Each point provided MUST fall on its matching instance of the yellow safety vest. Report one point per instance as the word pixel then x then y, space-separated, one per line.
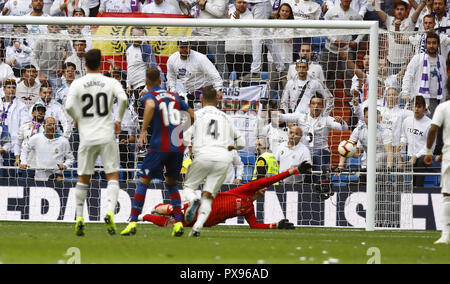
pixel 266 159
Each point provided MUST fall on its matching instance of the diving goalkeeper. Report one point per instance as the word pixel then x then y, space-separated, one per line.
pixel 232 203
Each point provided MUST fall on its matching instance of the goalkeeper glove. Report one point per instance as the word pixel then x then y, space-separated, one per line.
pixel 304 168
pixel 284 224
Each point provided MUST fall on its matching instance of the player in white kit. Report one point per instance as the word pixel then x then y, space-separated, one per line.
pixel 90 104
pixel 441 119
pixel 210 134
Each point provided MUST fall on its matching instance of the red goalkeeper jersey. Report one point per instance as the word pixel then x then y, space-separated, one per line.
pixel 238 202
pixel 232 203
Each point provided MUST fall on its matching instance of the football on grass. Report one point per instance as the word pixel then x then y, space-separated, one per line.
pixel 347 148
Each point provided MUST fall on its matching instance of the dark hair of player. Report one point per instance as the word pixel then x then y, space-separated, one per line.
pixel 152 74
pixel 93 59
pixel 209 94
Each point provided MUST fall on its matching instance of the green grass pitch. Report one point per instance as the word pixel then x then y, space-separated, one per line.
pixel 35 242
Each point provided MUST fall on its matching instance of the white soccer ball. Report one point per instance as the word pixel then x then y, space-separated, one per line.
pixel 347 148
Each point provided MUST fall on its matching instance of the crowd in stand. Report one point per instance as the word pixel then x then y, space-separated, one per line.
pixel 306 73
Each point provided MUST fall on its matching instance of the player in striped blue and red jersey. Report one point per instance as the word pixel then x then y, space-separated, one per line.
pixel 166 149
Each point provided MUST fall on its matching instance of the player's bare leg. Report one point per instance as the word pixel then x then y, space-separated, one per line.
pixel 445 236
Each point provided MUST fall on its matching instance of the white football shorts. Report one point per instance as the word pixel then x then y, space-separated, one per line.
pixel 212 172
pixel 87 155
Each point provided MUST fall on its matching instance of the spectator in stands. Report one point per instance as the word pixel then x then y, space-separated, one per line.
pixel 360 83
pixel 140 56
pixel 442 18
pixel 114 6
pixel 333 65
pixel 275 132
pixel 77 32
pixel 93 6
pixel 239 51
pixel 67 7
pixel 17 8
pixel 37 11
pixel 419 40
pixel 315 70
pixel 13 114
pixel 392 117
pixel 52 152
pixel 424 8
pixel 5 69
pixel 18 51
pixel 117 73
pixel 28 87
pixel 426 75
pixel 298 92
pixel 28 129
pixel 293 152
pixel 285 45
pixel 160 7
pixel 399 22
pixel 315 128
pixel 77 58
pixel 261 10
pixel 414 135
pixel 360 6
pixel 214 9
pixel 54 109
pixel 305 10
pixel 360 138
pixel 188 71
pixel 69 71
pixel 127 138
pixel 48 56
pixel 266 164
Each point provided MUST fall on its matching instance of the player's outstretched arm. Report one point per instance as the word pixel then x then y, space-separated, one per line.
pixel 251 187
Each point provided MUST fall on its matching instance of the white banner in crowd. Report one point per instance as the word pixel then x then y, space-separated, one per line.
pixel 242 104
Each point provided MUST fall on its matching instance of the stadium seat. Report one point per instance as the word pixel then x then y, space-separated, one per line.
pixel 353 163
pixel 233 76
pixel 264 75
pixel 248 158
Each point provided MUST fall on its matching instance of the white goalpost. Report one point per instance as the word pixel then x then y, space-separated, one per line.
pixel 300 29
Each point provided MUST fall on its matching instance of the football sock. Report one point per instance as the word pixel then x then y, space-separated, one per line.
pixel 80 197
pixel 138 201
pixel 446 217
pixel 203 213
pixel 112 193
pixel 175 200
pixel 189 194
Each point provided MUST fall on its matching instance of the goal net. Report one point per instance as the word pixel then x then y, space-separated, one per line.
pixel 273 76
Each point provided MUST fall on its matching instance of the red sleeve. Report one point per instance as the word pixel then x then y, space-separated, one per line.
pixel 250 188
pixel 254 224
pixel 157 220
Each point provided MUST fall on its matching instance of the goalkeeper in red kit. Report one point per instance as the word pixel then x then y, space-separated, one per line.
pixel 232 203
